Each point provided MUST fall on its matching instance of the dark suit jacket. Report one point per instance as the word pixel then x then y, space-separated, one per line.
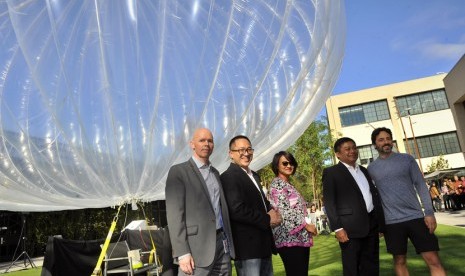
pixel 344 201
pixel 190 214
pixel 250 222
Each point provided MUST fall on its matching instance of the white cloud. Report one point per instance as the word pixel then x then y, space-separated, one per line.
pixel 451 51
pixel 439 16
pixel 434 31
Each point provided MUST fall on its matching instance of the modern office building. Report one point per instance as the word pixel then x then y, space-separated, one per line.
pixel 426 116
pixel 455 88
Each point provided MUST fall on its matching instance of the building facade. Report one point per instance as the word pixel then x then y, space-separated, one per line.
pixel 455 87
pixel 418 112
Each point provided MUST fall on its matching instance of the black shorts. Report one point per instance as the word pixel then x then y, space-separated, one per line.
pixel 397 235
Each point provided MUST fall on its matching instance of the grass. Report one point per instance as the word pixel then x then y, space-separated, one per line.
pixel 27 272
pixel 325 256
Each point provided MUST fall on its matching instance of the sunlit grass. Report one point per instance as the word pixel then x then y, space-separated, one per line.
pixel 325 256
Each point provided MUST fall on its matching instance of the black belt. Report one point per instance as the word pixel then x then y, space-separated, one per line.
pixel 219 230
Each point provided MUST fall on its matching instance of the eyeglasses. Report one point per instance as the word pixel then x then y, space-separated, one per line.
pixel 287 163
pixel 243 151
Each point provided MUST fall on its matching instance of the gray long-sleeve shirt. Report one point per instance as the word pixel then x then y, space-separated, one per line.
pixel 399 180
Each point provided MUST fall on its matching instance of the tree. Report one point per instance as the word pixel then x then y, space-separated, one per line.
pixel 266 175
pixel 439 163
pixel 312 150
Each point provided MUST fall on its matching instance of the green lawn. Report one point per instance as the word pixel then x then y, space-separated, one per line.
pixel 325 257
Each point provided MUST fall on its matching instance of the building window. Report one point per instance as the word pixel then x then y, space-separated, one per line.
pixel 366 154
pixel 422 102
pixel 364 113
pixel 435 145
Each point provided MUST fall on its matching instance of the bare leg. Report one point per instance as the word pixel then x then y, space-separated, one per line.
pixel 434 263
pixel 400 265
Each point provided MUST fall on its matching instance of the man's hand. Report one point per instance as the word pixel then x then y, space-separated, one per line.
pixel 341 236
pixel 275 218
pixel 430 222
pixel 186 264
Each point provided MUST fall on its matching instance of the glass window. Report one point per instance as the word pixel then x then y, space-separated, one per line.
pixel 364 113
pixel 366 154
pixel 402 105
pixel 370 113
pixel 451 143
pixel 413 104
pixel 427 102
pixel 424 146
pixel 435 145
pixel 382 110
pixel 440 99
pixel 422 102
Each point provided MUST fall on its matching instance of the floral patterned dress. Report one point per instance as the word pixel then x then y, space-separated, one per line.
pixel 293 209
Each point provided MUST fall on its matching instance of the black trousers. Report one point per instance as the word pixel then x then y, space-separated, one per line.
pixel 295 260
pixel 360 256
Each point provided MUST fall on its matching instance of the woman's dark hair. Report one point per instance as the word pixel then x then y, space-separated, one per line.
pixel 275 162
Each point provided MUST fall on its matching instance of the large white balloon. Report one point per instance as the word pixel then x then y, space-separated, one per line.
pixel 99 98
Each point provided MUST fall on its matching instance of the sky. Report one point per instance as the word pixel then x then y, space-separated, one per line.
pixel 390 41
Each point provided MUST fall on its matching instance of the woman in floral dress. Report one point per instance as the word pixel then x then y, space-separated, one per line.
pixel 293 237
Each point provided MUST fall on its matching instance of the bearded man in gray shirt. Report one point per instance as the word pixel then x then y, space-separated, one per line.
pixel 400 183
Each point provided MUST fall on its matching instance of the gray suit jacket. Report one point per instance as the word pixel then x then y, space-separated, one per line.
pixel 190 214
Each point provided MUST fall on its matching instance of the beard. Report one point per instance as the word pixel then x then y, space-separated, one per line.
pixel 386 148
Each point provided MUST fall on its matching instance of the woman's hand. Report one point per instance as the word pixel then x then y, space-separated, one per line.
pixel 311 228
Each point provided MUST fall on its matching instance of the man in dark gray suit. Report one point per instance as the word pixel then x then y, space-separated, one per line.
pixel 197 213
pixel 354 210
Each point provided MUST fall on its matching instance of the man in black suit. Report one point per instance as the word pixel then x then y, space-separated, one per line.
pixel 250 212
pixel 354 210
pixel 197 213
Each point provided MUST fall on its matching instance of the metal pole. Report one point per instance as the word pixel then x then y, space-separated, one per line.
pixel 403 128
pixel 417 151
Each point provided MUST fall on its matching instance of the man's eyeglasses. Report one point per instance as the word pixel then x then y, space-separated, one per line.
pixel 287 163
pixel 243 151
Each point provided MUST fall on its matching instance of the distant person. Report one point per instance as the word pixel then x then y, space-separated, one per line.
pixel 197 213
pixel 452 193
pixel 456 181
pixel 400 184
pixel 313 214
pixel 435 197
pixel 313 208
pixel 354 210
pixel 294 236
pixel 446 196
pixel 459 195
pixel 251 214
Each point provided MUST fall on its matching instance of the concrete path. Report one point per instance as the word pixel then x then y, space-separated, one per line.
pixel 453 218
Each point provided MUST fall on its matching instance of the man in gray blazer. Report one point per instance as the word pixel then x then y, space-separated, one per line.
pixel 197 213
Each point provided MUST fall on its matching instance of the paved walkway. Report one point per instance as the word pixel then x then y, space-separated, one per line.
pixel 453 218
